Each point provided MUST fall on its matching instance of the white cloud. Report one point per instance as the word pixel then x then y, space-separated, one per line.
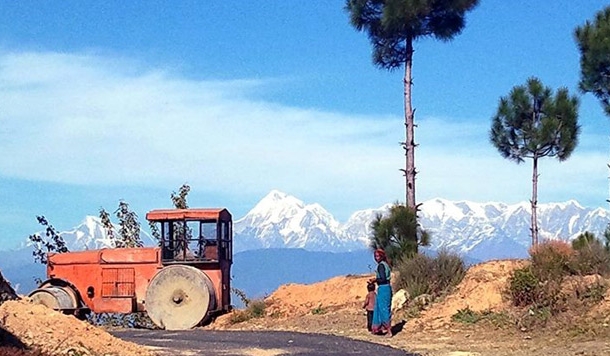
pixel 87 119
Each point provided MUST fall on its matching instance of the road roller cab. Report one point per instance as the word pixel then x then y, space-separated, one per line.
pixel 180 283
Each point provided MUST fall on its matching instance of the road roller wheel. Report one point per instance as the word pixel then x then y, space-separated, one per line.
pixel 55 297
pixel 179 297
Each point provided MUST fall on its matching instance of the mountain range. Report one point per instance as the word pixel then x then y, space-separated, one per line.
pixel 283 229
pixel 482 231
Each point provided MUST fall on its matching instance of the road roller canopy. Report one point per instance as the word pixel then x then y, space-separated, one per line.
pixel 193 235
pixel 188 214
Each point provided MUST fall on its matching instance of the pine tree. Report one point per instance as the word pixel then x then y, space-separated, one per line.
pixel 399 234
pixel 392 26
pixel 533 123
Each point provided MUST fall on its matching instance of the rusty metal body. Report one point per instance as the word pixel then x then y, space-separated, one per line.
pixel 180 283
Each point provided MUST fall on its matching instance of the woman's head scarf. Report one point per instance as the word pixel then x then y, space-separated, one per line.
pixel 381 254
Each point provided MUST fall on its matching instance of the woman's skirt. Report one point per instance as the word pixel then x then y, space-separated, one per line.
pixel 382 315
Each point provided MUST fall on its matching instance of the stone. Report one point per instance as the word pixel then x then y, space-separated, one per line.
pixel 400 300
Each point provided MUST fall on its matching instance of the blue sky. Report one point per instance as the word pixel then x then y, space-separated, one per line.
pixel 102 101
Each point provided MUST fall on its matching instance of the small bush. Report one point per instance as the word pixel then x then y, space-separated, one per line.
pixel 415 275
pixel 593 293
pixel 523 287
pixel 551 259
pixel 426 275
pixel 255 309
pixel 450 268
pixel 591 258
pixel 469 316
pixel 466 316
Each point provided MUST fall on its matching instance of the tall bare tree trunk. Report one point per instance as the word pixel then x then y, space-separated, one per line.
pixel 534 202
pixel 409 144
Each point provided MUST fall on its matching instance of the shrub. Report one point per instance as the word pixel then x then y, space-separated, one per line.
pixel 426 275
pixel 466 316
pixel 593 293
pixel 415 275
pixel 255 309
pixel 469 316
pixel 526 288
pixel 523 287
pixel 584 239
pixel 450 269
pixel 551 260
pixel 591 258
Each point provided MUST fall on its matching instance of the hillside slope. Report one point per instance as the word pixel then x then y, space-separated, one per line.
pixel 334 307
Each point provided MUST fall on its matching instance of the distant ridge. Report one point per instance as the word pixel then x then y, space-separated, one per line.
pixel 481 231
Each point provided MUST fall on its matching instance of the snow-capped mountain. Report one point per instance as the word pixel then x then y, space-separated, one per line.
pixel 479 230
pixel 281 220
pixel 90 235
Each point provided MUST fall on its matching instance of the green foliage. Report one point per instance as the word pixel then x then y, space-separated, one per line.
pixel 179 199
pixel 539 285
pixel 51 242
pixel 466 316
pixel 392 25
pixel 594 293
pixel 584 240
pixel 255 309
pixel 469 316
pixel 591 256
pixel 607 237
pixel 534 316
pixel 552 260
pixel 241 295
pixel 129 226
pixel 426 275
pixel 523 287
pixel 398 234
pixel 532 123
pixel 108 226
pixel 592 41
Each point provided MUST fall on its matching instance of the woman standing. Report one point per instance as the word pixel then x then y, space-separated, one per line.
pixel 382 315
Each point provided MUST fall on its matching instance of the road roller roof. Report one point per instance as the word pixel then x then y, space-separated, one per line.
pixel 188 214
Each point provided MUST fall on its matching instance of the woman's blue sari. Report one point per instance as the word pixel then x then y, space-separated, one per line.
pixel 382 315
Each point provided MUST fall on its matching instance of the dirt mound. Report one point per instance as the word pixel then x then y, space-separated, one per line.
pixel 481 289
pixel 300 299
pixel 42 328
